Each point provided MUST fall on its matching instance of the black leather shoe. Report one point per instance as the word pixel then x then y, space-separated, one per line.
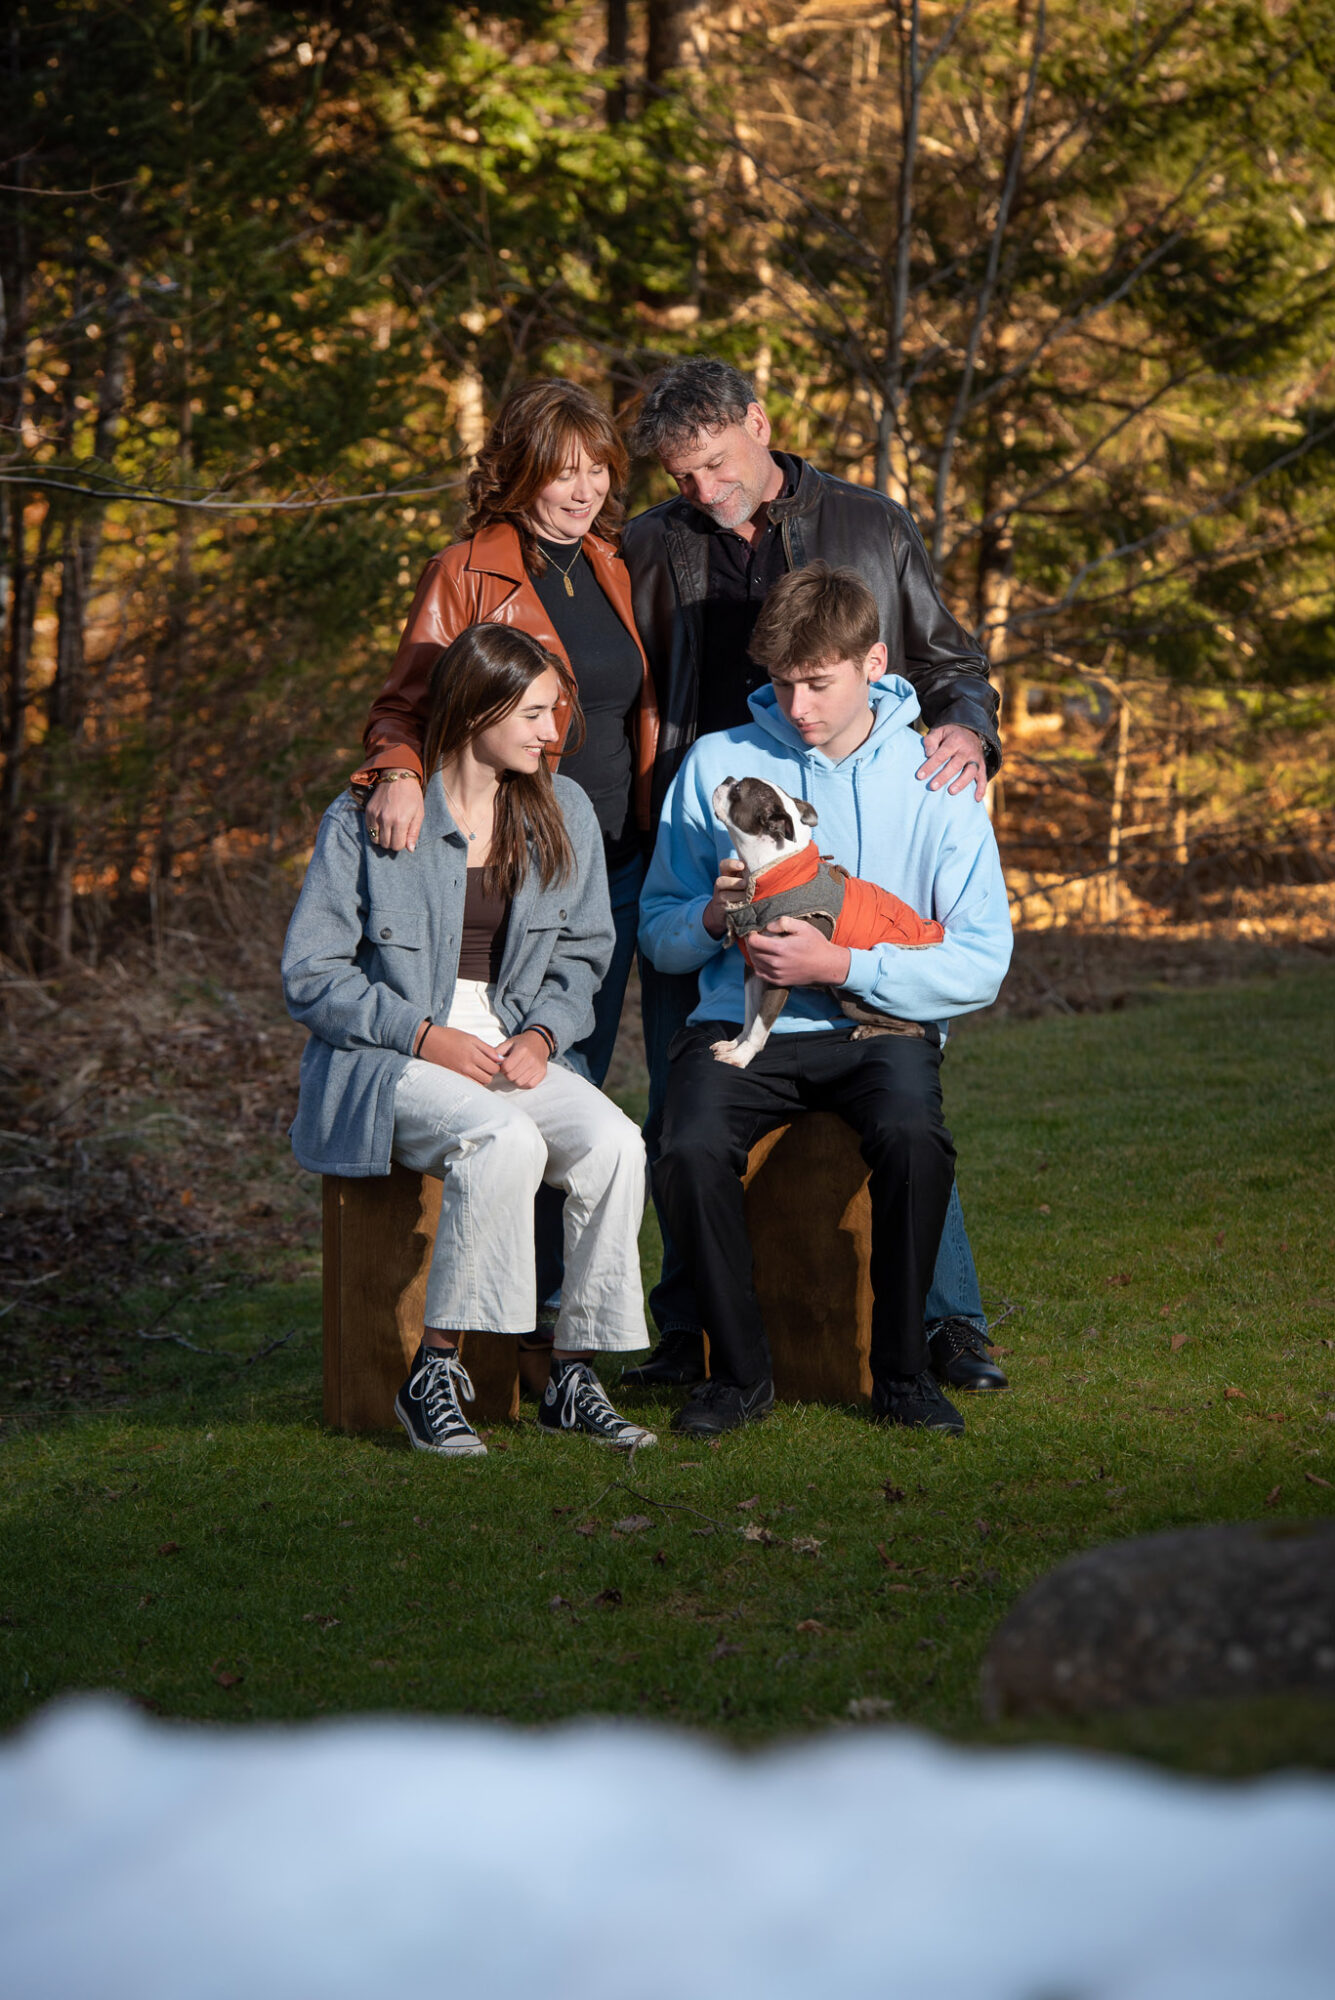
pixel 959 1355
pixel 715 1407
pixel 678 1362
pixel 916 1402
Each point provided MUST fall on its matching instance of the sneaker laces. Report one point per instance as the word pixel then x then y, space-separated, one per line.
pixel 438 1385
pixel 581 1387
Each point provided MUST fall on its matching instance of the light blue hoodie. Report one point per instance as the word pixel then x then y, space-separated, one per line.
pixel 878 821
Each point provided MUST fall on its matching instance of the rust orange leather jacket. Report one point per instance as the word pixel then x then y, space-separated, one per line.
pixel 482 581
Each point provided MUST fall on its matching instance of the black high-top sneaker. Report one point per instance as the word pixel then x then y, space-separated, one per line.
pixel 428 1405
pixel 575 1404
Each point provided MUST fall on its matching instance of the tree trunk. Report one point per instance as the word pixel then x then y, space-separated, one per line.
pixel 617 99
pixel 678 37
pixel 1112 897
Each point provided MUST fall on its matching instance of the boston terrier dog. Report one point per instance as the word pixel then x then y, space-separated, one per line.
pixel 786 877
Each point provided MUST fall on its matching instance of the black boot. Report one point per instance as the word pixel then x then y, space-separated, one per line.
pixel 678 1362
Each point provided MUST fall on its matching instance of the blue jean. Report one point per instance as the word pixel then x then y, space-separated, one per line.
pixel 593 1056
pixel 669 997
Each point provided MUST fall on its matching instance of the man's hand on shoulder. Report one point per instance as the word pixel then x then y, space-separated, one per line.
pixel 954 756
pixel 790 952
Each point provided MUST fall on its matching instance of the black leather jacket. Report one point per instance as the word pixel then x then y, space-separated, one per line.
pixel 667 553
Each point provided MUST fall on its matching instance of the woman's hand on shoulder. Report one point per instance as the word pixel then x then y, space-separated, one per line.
pixel 524 1059
pixel 394 814
pixel 452 1049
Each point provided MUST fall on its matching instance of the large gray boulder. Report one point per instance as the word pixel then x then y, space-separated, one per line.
pixel 1245 1609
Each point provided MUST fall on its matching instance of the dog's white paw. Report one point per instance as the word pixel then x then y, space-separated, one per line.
pixel 732 1053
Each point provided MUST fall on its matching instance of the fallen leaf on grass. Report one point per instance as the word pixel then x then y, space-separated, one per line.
pixel 811 1625
pixel 754 1501
pixel 1119 1278
pixel 887 1560
pixel 1232 1395
pixel 324 1619
pixel 753 1532
pixel 890 1492
pixel 1219 1240
pixel 1272 1497
pixel 1001 1353
pixel 586 1528
pixel 558 1603
pixel 722 1650
pixel 659 1558
pixel 610 1599
pixel 1179 1340
pixel 169 1548
pixel 869 1708
pixel 1315 1479
pixel 708 1529
pixel 1044 1208
pixel 806 1545
pixel 228 1680
pixel 633 1524
pixel 1273 1417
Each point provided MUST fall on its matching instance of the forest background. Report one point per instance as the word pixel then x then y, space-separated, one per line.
pixel 1060 276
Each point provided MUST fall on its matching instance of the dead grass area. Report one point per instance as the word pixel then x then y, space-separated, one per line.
pixel 1242 934
pixel 144 1108
pixel 143 1114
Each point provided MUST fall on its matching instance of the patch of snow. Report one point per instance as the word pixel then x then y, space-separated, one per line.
pixel 347 1860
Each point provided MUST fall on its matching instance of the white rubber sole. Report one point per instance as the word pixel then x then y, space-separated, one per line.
pixel 461 1450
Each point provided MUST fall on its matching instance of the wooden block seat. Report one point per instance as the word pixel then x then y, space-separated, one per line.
pixel 378 1237
pixel 809 1216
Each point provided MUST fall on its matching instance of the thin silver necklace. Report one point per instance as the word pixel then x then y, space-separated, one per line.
pixel 457 814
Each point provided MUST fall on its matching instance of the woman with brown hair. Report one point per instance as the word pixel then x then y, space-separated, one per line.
pixel 540 554
pixel 443 987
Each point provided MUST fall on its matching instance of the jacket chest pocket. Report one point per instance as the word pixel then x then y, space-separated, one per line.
pixel 394 927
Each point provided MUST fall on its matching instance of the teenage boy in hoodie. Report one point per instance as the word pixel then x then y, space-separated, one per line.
pixel 835 729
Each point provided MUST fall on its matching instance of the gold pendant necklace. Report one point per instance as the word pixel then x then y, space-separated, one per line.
pixel 565 573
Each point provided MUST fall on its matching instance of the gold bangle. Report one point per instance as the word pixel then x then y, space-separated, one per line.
pixel 388 777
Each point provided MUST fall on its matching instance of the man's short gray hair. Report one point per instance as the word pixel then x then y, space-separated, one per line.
pixel 689 397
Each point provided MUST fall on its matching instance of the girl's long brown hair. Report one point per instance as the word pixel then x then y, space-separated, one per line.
pixel 476 681
pixel 534 435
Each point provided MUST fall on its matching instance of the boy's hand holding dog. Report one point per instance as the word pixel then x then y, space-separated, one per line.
pixel 729 891
pixel 791 952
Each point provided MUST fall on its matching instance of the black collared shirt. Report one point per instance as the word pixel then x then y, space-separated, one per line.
pixel 741 576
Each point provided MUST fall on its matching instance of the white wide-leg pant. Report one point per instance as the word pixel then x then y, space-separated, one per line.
pixel 492 1145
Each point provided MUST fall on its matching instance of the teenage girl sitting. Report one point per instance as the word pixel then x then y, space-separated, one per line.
pixel 441 986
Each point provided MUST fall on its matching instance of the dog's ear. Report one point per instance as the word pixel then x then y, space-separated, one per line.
pixel 806 812
pixel 777 824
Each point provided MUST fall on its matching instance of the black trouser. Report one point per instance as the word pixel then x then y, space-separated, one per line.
pixel 888 1088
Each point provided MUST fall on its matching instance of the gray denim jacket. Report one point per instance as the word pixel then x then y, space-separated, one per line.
pixel 373 949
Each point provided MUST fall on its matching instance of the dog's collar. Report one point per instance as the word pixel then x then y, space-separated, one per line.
pixel 793 872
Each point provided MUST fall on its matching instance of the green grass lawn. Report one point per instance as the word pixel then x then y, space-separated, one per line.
pixel 1151 1193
